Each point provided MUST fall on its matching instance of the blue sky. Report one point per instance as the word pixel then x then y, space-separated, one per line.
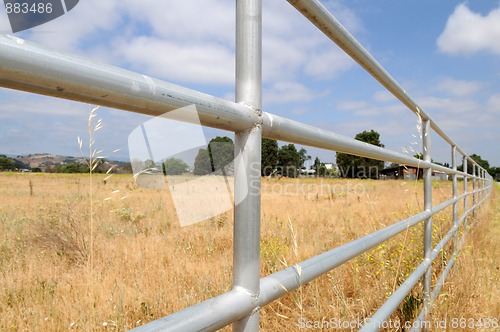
pixel 446 54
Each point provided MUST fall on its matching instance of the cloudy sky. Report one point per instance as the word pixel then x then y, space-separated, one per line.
pixel 446 54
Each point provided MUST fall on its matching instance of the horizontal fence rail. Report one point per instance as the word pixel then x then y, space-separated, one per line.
pixel 28 67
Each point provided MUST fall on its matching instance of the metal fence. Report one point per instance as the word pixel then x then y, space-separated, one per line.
pixel 27 67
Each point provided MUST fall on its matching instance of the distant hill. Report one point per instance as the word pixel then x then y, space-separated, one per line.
pixel 46 162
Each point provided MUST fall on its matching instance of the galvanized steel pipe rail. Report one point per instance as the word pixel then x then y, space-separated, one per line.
pixel 27 67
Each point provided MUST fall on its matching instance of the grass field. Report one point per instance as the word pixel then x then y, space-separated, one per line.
pixel 124 260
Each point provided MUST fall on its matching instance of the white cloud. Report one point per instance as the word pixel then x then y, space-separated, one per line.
pixel 457 114
pixel 351 105
pixel 301 110
pixel 193 41
pixel 328 64
pixel 26 104
pixel 459 88
pixel 449 105
pixel 292 44
pixel 377 107
pixel 89 19
pixel 187 62
pixel 282 58
pixel 494 103
pixel 186 41
pixel 286 92
pixel 208 20
pixel 4 24
pixel 383 96
pixel 386 126
pixel 383 111
pixel 467 32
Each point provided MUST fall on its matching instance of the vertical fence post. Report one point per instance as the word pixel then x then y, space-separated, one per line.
pixel 479 173
pixel 466 189
pixel 426 138
pixel 473 190
pixel 246 255
pixel 485 174
pixel 478 184
pixel 455 193
pixel 481 184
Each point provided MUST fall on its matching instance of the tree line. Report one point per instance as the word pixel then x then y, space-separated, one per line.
pixel 218 157
pixel 11 164
pixel 286 160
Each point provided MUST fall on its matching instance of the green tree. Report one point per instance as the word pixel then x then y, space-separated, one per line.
pixel 269 156
pixel 6 164
pixel 289 160
pixel 20 165
pixel 219 154
pixel 477 158
pixel 221 151
pixel 127 167
pixel 393 165
pixel 202 163
pixel 101 166
pixel 303 157
pixel 360 167
pixel 319 167
pixel 174 166
pixel 421 157
pixel 495 173
pixel 483 163
pixel 72 168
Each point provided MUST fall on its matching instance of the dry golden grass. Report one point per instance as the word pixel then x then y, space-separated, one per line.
pixel 472 291
pixel 141 265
